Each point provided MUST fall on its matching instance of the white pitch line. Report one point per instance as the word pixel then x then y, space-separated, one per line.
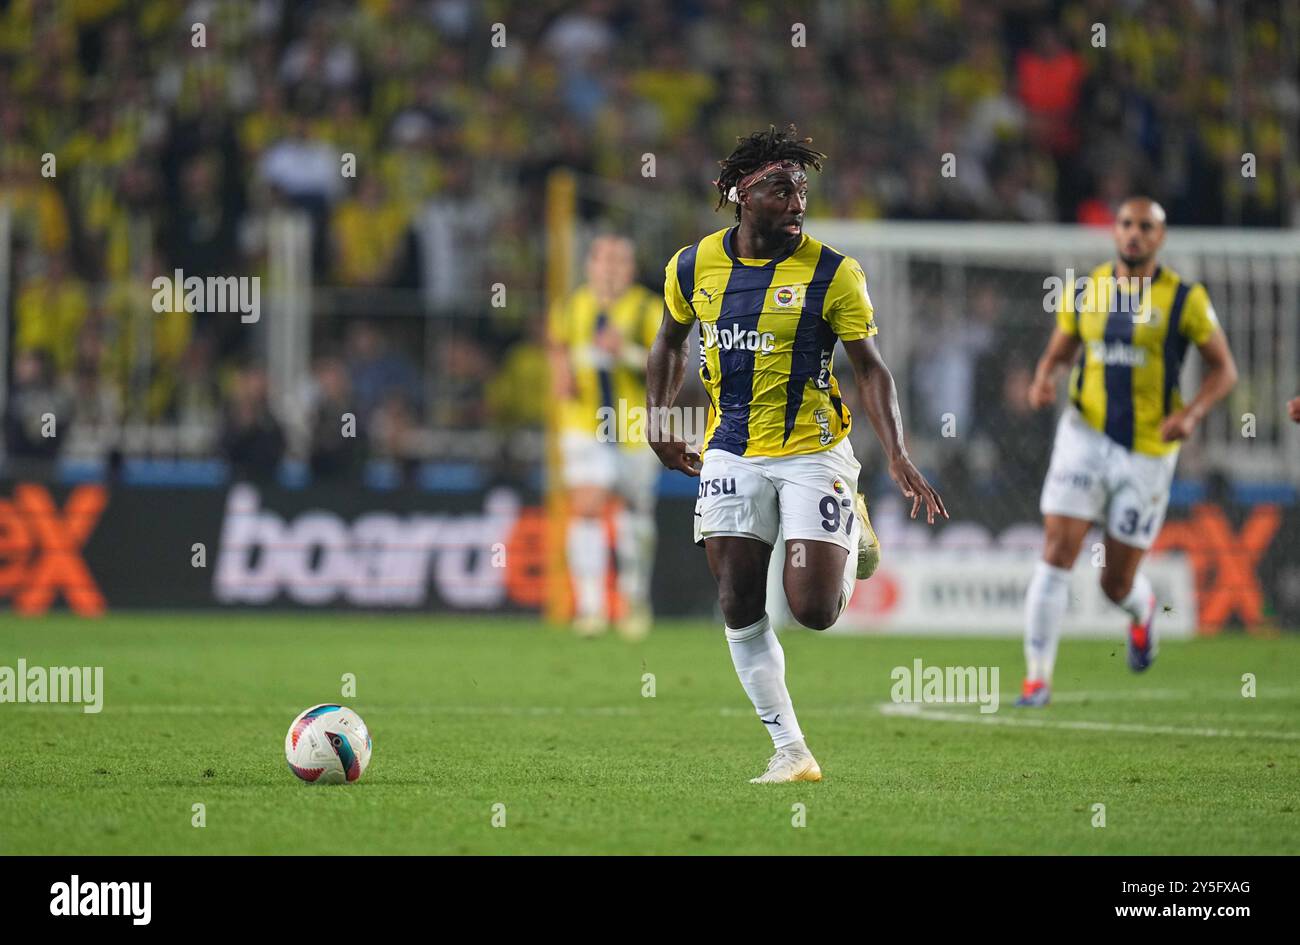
pixel 236 709
pixel 904 710
pixel 914 711
pixel 1116 695
pixel 1230 694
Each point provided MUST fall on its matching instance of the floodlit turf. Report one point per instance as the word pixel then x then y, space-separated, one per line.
pixel 467 714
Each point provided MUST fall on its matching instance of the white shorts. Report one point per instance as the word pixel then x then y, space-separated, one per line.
pixel 1094 478
pixel 807 497
pixel 631 472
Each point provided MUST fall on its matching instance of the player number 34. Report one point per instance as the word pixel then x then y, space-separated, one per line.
pixel 1132 517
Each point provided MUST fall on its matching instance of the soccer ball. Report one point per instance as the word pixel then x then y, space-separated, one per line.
pixel 328 744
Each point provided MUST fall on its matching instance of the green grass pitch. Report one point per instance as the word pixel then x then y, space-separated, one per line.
pixel 467 714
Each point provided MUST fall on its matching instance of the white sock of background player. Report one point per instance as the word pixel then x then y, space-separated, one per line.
pixel 1045 603
pixel 760 664
pixel 1138 604
pixel 588 565
pixel 635 546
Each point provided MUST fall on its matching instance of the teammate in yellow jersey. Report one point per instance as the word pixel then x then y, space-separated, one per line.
pixel 771 303
pixel 599 338
pixel 1129 325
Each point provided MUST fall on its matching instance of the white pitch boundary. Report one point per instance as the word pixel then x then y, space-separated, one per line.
pixel 290 712
pixel 1006 715
pixel 915 711
pixel 1228 694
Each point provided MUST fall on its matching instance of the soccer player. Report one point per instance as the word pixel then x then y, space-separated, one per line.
pixel 1293 409
pixel 1129 325
pixel 771 303
pixel 599 338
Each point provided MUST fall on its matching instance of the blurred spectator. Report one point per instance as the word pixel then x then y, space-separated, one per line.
pixel 395 430
pixel 197 402
pixel 39 211
pixel 374 371
pixel 145 347
pixel 333 455
pixel 511 396
pixel 1050 78
pixel 306 171
pixel 252 440
pixel 171 156
pixel 449 268
pixel 319 61
pixel 930 196
pixel 202 238
pixel 36 407
pixel 49 313
pixel 96 402
pixel 1113 189
pixel 463 369
pixel 369 236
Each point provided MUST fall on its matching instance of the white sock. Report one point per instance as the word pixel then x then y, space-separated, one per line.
pixel 760 664
pixel 1045 603
pixel 849 580
pixel 635 546
pixel 1138 604
pixel 778 608
pixel 588 564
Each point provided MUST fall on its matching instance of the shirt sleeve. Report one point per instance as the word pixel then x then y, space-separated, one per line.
pixel 679 307
pixel 848 307
pixel 1067 319
pixel 1199 321
pixel 1067 315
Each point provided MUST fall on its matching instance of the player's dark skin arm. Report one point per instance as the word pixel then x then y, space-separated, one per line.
pixel 880 400
pixel 665 370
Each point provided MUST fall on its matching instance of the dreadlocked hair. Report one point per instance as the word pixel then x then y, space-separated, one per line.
pixel 764 147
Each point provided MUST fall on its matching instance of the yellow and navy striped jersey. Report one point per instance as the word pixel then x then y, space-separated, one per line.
pixel 1126 381
pixel 600 380
pixel 768 329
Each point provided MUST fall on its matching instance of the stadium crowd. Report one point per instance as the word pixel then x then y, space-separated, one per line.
pixel 137 138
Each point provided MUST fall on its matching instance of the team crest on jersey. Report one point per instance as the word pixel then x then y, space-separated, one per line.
pixel 1148 315
pixel 787 295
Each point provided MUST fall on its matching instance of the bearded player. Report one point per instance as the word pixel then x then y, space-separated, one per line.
pixel 771 304
pixel 1129 326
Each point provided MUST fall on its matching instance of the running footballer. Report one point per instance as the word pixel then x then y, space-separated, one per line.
pixel 771 304
pixel 1126 329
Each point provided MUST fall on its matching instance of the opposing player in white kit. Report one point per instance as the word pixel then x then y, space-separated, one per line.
pixel 1129 325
